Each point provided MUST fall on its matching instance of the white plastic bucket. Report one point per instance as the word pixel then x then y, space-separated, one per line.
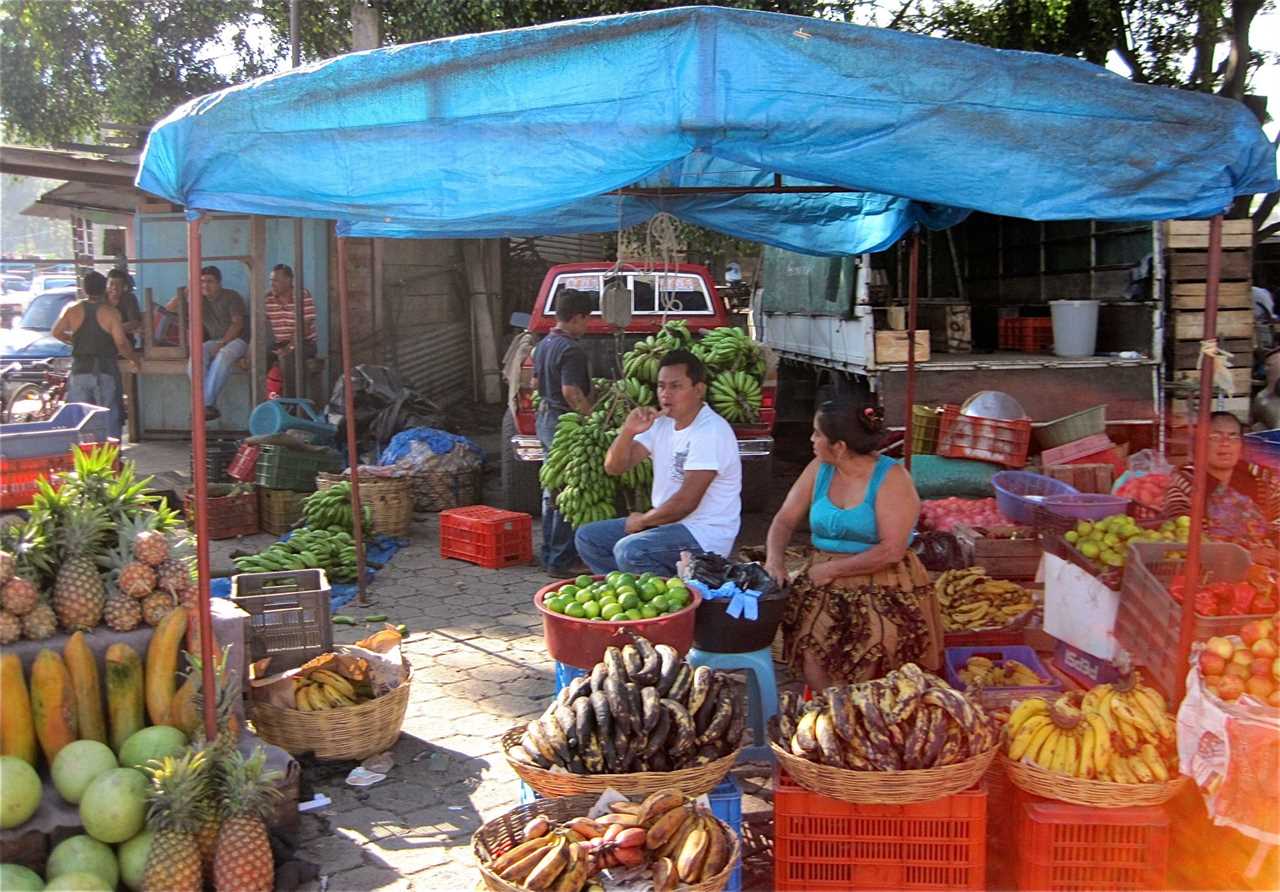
pixel 1075 327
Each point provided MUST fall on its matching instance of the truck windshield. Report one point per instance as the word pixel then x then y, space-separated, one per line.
pixel 42 312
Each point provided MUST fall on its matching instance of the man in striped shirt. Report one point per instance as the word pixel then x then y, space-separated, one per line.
pixel 280 318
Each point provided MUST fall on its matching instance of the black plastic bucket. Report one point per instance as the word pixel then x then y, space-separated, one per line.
pixel 715 631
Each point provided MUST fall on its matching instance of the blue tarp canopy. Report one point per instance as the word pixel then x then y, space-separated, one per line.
pixel 526 132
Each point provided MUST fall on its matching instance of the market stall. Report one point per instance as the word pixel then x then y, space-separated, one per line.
pixel 757 153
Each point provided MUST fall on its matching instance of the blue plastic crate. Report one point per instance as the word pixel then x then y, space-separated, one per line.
pixel 998 653
pixel 726 804
pixel 73 423
pixel 527 794
pixel 565 674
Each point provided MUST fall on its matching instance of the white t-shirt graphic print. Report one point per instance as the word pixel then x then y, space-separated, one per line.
pixel 708 444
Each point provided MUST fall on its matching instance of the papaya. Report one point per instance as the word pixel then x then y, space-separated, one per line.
pixel 17 730
pixel 53 703
pixel 83 668
pixel 125 704
pixel 182 710
pixel 161 677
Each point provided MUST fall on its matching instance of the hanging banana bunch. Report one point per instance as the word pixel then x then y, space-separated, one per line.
pixel 736 396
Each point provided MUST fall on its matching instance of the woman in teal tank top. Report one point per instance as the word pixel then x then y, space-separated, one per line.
pixel 862 605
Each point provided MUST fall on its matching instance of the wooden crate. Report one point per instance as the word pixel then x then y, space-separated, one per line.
pixel 1241 379
pixel 1194 234
pixel 1231 295
pixel 1193 266
pixel 959 329
pixel 891 346
pixel 1189 325
pixel 1092 478
pixel 1186 354
pixel 1001 558
pixel 1236 405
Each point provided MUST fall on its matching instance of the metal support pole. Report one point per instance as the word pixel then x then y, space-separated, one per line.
pixel 299 332
pixel 348 393
pixel 199 473
pixel 1200 454
pixel 913 295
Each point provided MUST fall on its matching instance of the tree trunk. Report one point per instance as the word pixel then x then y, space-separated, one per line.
pixel 1242 15
pixel 366 26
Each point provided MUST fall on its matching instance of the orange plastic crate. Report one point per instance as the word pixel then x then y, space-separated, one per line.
pixel 984 439
pixel 18 476
pixel 1060 846
pixel 489 537
pixel 822 843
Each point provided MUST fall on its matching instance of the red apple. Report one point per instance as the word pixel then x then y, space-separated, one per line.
pixel 1211 664
pixel 1274 698
pixel 1220 646
pixel 1264 647
pixel 1261 667
pixel 1251 632
pixel 1243 656
pixel 1260 687
pixel 1268 627
pixel 1230 687
pixel 1237 670
pixel 1212 682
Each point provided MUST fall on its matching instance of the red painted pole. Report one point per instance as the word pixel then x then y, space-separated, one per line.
pixel 344 331
pixel 913 300
pixel 1200 454
pixel 199 473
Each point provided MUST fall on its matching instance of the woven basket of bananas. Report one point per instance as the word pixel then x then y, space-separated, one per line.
pixel 336 732
pixel 551 843
pixel 1114 747
pixel 907 737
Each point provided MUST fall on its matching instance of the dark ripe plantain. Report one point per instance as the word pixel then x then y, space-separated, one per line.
pixel 568 723
pixel 635 706
pixel 583 721
pixel 550 867
pixel 631 661
pixel 598 674
pixel 665 877
pixel 658 737
pixel 619 705
pixel 554 736
pixel 829 746
pixel 682 738
pixel 669 666
pixel 650 708
pixel 720 718
pixel 665 827
pixel 578 688
pixel 737 725
pixel 603 715
pixel 702 717
pixel 699 688
pixel 718 849
pixel 515 853
pixel 650 664
pixel 658 803
pixel 683 681
pixel 613 665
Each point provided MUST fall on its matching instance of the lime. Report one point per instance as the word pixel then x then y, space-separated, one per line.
pixel 634 614
pixel 627 579
pixel 624 590
pixel 675 580
pixel 608 596
pixel 1090 549
pixel 645 576
pixel 678 600
pixel 1072 536
pixel 649 591
pixel 612 578
pixel 555 605
pixel 583 596
pixel 659 584
pixel 660 604
pixel 630 601
pixel 567 590
pixel 591 609
pixel 648 612
pixel 583 581
pixel 574 609
pixel 610 609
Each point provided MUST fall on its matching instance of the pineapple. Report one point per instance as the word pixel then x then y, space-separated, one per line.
pixel 78 592
pixel 137 580
pixel 19 596
pixel 150 547
pixel 10 627
pixel 156 606
pixel 173 575
pixel 242 861
pixel 8 566
pixel 40 623
pixel 227 688
pixel 179 798
pixel 122 613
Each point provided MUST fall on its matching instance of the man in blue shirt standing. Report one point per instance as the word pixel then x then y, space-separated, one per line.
pixel 564 384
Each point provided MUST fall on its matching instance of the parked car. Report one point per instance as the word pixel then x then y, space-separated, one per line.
pixel 13 298
pixel 684 292
pixel 51 281
pixel 30 342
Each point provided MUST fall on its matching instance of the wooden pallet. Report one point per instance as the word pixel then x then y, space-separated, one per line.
pixel 1241 380
pixel 1188 325
pixel 1236 405
pixel 1193 266
pixel 1191 295
pixel 1185 355
pixel 1194 234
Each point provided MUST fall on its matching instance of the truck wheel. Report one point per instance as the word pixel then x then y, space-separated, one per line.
pixel 757 484
pixel 521 490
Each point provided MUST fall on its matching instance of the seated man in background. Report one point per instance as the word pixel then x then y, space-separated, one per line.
pixel 280 318
pixel 697 479
pixel 226 333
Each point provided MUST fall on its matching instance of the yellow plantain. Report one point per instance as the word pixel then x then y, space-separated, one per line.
pixel 718 849
pixel 1085 766
pixel 1044 755
pixel 1139 768
pixel 514 854
pixel 553 863
pixel 692 855
pixel 1154 763
pixel 334 680
pixel 1126 714
pixel 1023 711
pixel 1033 731
pixel 1101 742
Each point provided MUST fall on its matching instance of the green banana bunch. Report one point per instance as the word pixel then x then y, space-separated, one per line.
pixel 641 363
pixel 675 335
pixel 331 550
pixel 730 349
pixel 735 396
pixel 332 508
pixel 574 469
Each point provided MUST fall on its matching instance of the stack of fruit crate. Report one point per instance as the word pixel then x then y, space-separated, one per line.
pixel 1187 260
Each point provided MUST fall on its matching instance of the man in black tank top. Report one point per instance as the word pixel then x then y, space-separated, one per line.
pixel 95 331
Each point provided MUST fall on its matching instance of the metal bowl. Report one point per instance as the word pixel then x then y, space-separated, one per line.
pixel 993 404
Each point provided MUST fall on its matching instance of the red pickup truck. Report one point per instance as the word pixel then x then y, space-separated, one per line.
pixel 684 291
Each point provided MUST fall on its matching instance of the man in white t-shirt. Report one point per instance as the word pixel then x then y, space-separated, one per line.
pixel 697 479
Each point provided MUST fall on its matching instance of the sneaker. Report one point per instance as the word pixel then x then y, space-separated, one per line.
pixel 211 413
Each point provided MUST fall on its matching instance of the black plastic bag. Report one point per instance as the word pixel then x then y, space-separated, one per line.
pixel 939 551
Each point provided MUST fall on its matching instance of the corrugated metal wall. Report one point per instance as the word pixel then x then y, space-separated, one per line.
pixel 570 248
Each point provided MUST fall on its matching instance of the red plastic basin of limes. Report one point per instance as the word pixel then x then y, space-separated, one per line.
pixel 581 642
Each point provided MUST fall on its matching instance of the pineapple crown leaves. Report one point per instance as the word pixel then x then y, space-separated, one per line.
pixel 179 793
pixel 83 530
pixel 227 687
pixel 30 547
pixel 248 787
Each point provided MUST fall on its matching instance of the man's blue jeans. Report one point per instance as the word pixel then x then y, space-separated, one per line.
pixel 557 534
pixel 98 389
pixel 605 546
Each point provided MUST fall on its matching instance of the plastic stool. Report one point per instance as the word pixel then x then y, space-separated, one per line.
pixel 762 692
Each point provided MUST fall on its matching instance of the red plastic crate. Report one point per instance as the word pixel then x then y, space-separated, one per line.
pixel 984 439
pixel 823 843
pixel 244 466
pixel 489 537
pixel 1031 334
pixel 18 476
pixel 1060 846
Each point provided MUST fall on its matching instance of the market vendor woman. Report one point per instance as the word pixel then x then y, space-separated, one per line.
pixel 864 605
pixel 1239 508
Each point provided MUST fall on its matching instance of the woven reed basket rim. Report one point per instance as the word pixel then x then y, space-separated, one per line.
pixel 1083 791
pixel 885 787
pixel 693 781
pixel 511 825
pixel 365 728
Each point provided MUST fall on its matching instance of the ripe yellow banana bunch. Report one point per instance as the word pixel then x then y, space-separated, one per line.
pixel 979 670
pixel 972 600
pixel 322 689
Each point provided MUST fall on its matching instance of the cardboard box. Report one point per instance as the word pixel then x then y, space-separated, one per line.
pixel 891 346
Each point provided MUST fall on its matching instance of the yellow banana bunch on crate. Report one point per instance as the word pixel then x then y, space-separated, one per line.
pixel 979 670
pixel 971 600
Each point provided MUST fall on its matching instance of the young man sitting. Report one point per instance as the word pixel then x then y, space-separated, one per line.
pixel 697 479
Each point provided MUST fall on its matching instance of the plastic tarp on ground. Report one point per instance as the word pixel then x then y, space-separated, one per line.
pixel 524 132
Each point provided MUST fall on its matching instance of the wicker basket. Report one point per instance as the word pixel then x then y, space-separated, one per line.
pixel 693 781
pixel 500 834
pixel 1081 791
pixel 279 509
pixel 437 490
pixel 884 787
pixel 334 735
pixel 389 498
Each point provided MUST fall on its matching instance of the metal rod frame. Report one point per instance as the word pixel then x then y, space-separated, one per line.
pixel 1200 453
pixel 913 303
pixel 349 397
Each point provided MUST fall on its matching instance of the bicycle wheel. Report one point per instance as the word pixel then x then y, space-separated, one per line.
pixel 26 404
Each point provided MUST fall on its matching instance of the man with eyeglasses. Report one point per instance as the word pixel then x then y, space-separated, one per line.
pixel 697 479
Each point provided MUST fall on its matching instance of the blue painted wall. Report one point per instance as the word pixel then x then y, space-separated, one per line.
pixel 165 400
